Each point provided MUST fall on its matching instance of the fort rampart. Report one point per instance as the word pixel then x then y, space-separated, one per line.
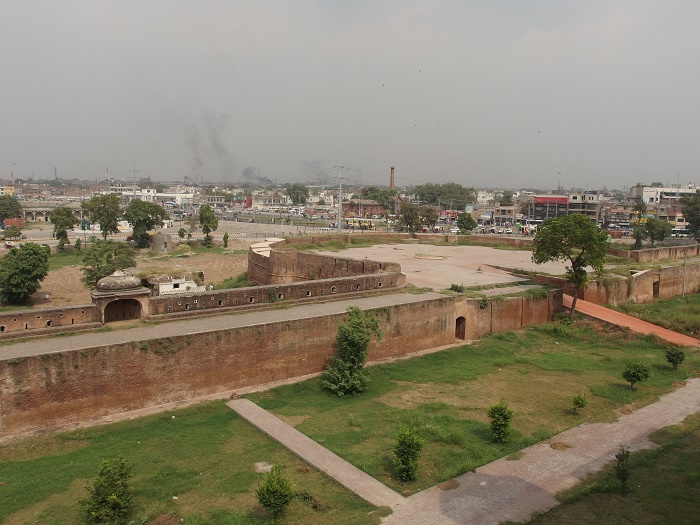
pixel 55 390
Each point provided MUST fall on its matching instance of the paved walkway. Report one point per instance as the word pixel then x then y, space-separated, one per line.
pixel 317 456
pixel 634 324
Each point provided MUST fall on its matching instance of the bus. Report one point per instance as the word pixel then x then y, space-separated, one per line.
pixel 680 232
pixel 360 223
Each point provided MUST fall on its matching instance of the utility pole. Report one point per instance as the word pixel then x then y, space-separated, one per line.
pixel 340 193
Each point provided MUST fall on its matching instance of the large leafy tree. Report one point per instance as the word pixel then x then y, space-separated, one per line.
pixel 105 211
pixel 657 230
pixel 385 197
pixel 639 208
pixel 63 219
pixel 10 207
pixel 691 213
pixel 144 216
pixel 298 193
pixel 466 222
pixel 451 194
pixel 208 222
pixel 573 238
pixel 428 216
pixel 408 218
pixel 21 271
pixel 103 258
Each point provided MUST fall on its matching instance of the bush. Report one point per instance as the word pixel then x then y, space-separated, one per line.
pixel 78 244
pixel 459 288
pixel 579 402
pixel 675 356
pixel 345 373
pixel 407 450
pixel 636 373
pixel 226 240
pixel 500 416
pixel 184 248
pixel 110 500
pixel 621 467
pixel 276 492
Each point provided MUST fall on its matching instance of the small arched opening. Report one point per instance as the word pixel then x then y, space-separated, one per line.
pixel 460 328
pixel 122 310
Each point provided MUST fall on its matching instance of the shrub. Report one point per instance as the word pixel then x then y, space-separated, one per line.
pixel 621 467
pixel 184 248
pixel 675 356
pixel 457 288
pixel 579 402
pixel 110 500
pixel 78 244
pixel 407 450
pixel 500 416
pixel 345 373
pixel 276 492
pixel 636 373
pixel 226 240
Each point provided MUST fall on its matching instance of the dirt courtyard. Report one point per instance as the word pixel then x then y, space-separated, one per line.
pixel 63 286
pixel 437 267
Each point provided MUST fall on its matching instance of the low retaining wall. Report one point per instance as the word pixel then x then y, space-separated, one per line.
pixel 240 297
pixel 642 287
pixel 41 321
pixel 657 254
pixel 50 391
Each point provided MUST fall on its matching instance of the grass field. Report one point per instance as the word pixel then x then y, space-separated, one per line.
pixel 205 455
pixel 445 397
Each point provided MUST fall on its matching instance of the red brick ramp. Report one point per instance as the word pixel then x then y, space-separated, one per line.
pixel 634 324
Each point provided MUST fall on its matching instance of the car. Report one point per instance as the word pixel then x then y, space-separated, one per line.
pixel 500 230
pixel 509 230
pixel 454 230
pixel 314 217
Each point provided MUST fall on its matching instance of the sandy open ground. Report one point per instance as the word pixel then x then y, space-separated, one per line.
pixel 437 267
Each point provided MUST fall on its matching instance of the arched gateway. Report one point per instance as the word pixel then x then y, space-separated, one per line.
pixel 120 297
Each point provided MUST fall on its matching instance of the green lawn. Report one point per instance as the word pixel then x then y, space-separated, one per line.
pixel 205 455
pixel 445 397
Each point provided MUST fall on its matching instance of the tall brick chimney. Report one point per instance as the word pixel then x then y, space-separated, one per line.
pixel 391 179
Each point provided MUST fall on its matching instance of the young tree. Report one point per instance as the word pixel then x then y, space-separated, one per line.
pixel 657 230
pixel 407 450
pixel 10 208
pixel 143 217
pixel 63 220
pixel 21 271
pixel 208 221
pixel 181 233
pixel 110 497
pixel 345 373
pixel 105 211
pixel 226 237
pixel 101 259
pixel 428 216
pixel 639 233
pixel 635 373
pixel 466 222
pixel 691 213
pixel 500 415
pixel 276 492
pixel 622 467
pixel 572 238
pixel 675 356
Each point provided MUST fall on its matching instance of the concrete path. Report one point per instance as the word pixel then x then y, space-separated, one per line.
pixel 514 490
pixel 317 456
pixel 634 324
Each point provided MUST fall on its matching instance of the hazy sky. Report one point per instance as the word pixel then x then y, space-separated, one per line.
pixel 481 92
